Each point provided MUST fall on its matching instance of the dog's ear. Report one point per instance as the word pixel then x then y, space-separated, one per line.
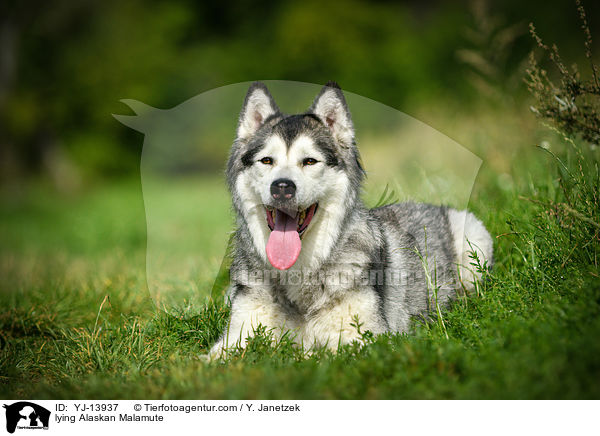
pixel 330 106
pixel 258 106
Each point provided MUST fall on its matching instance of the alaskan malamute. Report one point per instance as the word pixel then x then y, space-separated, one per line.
pixel 309 257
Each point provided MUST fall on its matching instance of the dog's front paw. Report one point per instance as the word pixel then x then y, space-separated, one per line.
pixel 216 352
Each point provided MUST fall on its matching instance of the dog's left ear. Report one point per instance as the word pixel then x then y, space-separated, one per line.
pixel 330 106
pixel 258 106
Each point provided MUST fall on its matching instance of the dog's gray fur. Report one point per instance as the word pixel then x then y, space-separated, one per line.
pixel 401 259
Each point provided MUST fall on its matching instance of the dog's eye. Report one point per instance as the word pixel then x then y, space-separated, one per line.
pixel 266 161
pixel 309 161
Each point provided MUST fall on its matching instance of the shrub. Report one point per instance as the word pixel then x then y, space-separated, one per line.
pixel 573 105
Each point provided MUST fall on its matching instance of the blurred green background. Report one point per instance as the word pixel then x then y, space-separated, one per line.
pixel 70 183
pixel 64 66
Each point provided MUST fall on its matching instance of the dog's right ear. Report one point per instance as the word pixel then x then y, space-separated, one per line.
pixel 258 106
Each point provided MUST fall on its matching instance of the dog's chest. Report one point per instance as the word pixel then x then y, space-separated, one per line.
pixel 310 291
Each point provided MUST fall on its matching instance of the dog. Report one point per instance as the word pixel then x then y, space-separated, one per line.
pixel 309 258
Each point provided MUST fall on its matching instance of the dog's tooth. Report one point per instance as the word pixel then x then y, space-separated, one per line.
pixel 302 217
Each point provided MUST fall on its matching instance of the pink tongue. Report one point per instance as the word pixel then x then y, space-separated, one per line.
pixel 283 247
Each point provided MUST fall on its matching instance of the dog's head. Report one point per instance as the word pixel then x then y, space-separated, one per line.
pixel 294 178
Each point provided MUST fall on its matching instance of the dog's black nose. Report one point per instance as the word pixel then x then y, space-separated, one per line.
pixel 283 189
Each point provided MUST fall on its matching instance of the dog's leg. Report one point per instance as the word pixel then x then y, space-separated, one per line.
pixel 336 325
pixel 249 310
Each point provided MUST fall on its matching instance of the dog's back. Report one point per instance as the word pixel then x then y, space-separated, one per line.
pixel 427 248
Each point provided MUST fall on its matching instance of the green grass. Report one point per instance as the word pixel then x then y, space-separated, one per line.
pixel 77 319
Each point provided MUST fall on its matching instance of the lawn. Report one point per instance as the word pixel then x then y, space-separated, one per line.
pixel 79 296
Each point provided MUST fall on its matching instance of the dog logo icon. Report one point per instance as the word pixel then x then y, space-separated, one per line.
pixel 26 415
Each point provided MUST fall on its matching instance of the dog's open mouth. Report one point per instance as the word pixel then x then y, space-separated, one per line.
pixel 284 245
